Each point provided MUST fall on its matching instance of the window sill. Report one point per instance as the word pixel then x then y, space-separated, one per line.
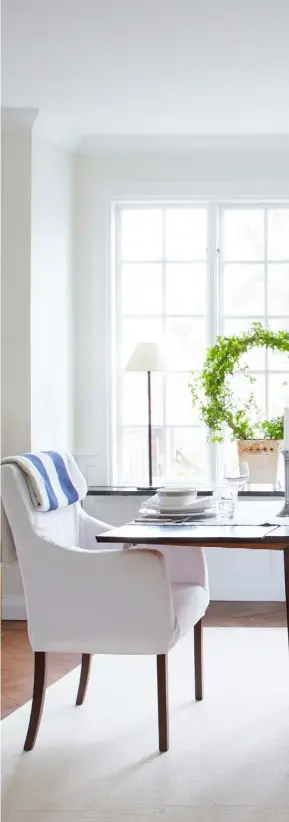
pixel 133 491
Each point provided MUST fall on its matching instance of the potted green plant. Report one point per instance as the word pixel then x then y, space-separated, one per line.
pixel 258 442
pixel 262 453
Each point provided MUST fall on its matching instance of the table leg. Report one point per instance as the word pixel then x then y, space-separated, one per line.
pixel 163 711
pixel 286 574
pixel 198 650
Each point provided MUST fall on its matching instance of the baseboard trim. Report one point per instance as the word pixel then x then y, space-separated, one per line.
pixel 13 607
pixel 234 594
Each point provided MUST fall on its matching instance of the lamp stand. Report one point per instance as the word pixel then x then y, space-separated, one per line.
pixel 150 448
pixel 150 445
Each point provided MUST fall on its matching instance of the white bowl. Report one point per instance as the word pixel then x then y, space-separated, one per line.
pixel 175 497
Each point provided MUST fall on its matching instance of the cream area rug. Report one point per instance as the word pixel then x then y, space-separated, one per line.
pixel 229 755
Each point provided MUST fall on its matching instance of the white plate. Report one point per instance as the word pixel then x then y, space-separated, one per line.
pixel 164 517
pixel 195 506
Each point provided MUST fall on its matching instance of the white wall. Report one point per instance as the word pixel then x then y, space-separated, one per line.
pixel 91 324
pixel 259 164
pixel 15 290
pixel 15 303
pixel 51 297
pixel 221 173
pixel 218 173
pixel 99 181
pixel 37 402
pixel 233 574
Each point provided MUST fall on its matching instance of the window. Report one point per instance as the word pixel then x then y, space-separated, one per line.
pixel 186 272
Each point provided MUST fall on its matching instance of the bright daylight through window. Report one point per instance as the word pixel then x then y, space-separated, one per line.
pixel 185 273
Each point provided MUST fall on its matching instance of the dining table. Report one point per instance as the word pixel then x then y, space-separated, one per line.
pixel 255 526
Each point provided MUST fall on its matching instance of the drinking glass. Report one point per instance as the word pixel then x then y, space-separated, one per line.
pixel 234 479
pixel 225 498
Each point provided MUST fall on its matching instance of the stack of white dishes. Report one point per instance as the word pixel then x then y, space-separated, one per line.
pixel 175 503
pixel 174 497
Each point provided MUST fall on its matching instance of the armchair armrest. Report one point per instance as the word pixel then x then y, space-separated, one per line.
pixel 89 528
pixel 105 601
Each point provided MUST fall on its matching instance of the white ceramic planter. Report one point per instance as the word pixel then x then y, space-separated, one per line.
pixel 262 459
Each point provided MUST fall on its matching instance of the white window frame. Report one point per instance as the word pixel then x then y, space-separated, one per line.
pixel 215 265
pixel 266 206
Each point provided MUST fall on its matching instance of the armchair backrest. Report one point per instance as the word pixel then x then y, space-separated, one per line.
pixel 27 525
pixel 60 526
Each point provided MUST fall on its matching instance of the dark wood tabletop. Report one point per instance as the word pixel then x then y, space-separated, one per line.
pixel 273 537
pixel 255 525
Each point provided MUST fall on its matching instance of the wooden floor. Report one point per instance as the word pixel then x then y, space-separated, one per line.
pixel 17 657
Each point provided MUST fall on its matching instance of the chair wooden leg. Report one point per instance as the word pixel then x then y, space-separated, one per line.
pixel 163 717
pixel 37 699
pixel 198 652
pixel 84 676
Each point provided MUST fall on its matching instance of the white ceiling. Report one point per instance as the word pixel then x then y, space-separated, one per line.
pixel 149 67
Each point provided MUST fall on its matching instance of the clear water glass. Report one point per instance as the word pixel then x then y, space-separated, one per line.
pixel 237 480
pixel 225 499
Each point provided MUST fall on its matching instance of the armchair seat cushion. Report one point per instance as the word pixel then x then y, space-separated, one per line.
pixel 190 604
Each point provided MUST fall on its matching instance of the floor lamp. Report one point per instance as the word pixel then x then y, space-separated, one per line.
pixel 147 357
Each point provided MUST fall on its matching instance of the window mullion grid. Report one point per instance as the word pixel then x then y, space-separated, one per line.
pixel 266 309
pixel 164 332
pixel 119 427
pixel 213 304
pixel 215 318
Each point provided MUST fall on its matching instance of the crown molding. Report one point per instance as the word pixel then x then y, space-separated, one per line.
pixel 18 119
pixel 187 144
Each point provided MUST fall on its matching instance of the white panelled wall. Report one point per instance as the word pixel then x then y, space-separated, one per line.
pixel 51 297
pixel 226 172
pixel 233 574
pixel 217 174
pixel 15 281
pixel 36 301
pixel 223 171
pixel 15 304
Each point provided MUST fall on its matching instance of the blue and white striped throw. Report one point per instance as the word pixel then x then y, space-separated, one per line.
pixel 53 479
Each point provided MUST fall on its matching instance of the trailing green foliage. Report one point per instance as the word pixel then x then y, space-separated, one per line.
pixel 273 429
pixel 211 390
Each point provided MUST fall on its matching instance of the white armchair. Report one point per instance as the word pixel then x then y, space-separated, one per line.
pixel 89 598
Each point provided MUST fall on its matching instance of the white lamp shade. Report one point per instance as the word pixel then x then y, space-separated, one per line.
pixel 147 357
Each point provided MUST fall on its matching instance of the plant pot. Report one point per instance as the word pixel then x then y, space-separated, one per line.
pixel 262 459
